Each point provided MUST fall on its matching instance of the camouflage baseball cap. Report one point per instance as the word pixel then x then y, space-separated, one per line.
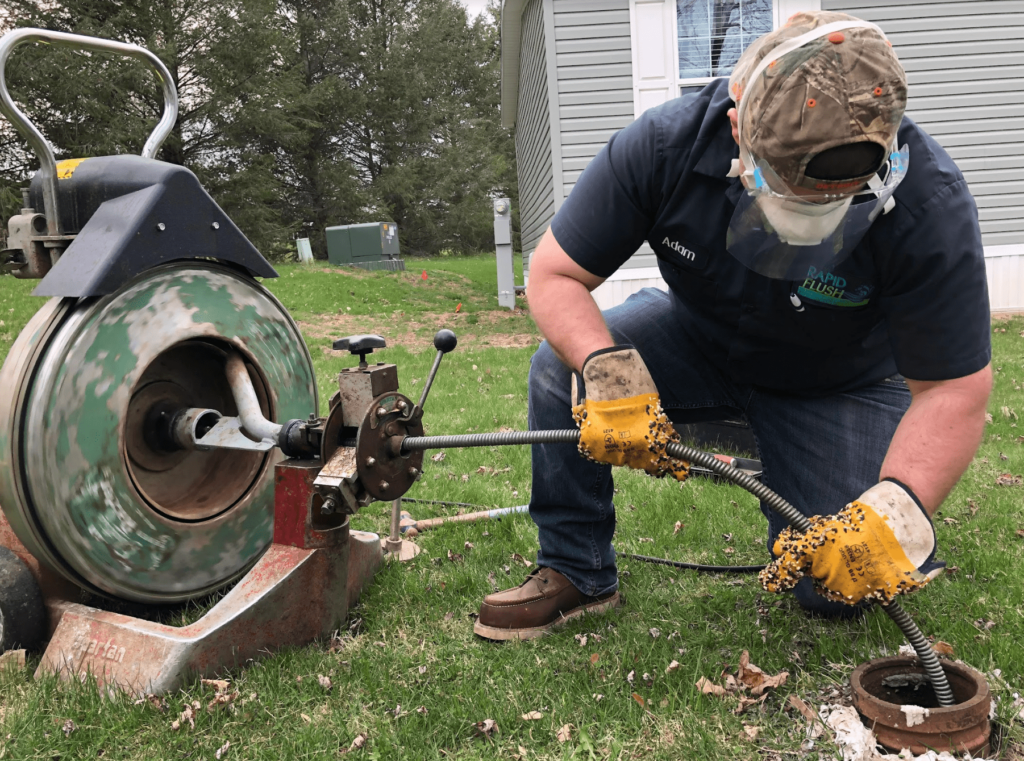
pixel 823 116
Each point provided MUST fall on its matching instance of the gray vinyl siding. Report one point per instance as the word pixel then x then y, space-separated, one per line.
pixel 595 85
pixel 595 79
pixel 965 68
pixel 533 132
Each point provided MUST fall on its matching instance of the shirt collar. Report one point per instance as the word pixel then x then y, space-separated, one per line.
pixel 716 160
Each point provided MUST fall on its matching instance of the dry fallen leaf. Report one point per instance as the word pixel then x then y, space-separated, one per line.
pixel 639 700
pixel 943 648
pixel 672 667
pixel 222 750
pixel 750 732
pixel 436 458
pixel 468 546
pixel 422 710
pixel 517 558
pixel 222 699
pixel 188 715
pixel 486 728
pixel 157 702
pixel 677 528
pixel 708 687
pixel 465 478
pixel 594 658
pixel 582 639
pixel 219 685
pixel 532 716
pixel 805 710
pixel 564 733
pixel 631 676
pixel 1008 479
pixel 305 718
pixel 325 681
pixel 13 659
pixel 654 632
pixel 68 727
pixel 357 743
pixel 746 703
pixel 454 557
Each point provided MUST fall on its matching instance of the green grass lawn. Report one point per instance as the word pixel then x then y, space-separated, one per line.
pixel 413 678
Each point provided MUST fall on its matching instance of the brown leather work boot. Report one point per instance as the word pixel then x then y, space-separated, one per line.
pixel 545 600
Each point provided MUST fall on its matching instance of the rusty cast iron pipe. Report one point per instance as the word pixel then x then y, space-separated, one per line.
pixel 249 412
pixel 929 660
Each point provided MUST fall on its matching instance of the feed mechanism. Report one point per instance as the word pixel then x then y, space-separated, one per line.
pixel 139 464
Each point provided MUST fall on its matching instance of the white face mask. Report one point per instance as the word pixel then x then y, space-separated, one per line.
pixel 800 223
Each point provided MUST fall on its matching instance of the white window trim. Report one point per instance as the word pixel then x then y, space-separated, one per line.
pixel 655 81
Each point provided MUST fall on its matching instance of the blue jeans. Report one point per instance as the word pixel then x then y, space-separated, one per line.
pixel 818 453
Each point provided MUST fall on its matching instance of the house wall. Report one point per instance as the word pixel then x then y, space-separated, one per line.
pixel 964 67
pixel 591 88
pixel 534 131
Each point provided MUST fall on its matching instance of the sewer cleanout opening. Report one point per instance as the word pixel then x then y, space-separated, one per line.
pixel 895 699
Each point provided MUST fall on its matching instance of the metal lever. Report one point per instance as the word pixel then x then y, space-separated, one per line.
pixel 47 163
pixel 444 341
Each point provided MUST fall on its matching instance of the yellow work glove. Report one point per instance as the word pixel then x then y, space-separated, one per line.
pixel 875 548
pixel 621 421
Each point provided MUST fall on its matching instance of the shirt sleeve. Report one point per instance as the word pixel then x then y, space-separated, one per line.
pixel 936 295
pixel 611 210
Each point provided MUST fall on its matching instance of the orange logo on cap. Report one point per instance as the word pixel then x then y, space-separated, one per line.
pixel 836 37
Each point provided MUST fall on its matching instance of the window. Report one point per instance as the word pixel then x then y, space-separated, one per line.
pixel 713 34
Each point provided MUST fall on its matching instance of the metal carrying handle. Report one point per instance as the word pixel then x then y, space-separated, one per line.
pixel 47 163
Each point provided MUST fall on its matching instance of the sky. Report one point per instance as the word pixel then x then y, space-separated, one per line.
pixel 475 7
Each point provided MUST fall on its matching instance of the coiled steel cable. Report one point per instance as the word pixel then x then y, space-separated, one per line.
pixel 929 660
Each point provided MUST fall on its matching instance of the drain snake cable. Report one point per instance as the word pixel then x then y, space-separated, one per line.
pixel 796 519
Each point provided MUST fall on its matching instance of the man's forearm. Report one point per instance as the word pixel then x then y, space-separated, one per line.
pixel 938 436
pixel 561 304
pixel 570 320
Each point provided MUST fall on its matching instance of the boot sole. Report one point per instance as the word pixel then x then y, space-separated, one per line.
pixel 502 635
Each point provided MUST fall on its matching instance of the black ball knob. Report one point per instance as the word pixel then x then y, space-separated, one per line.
pixel 445 341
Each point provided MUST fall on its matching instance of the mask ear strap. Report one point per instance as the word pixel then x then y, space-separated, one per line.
pixel 875 183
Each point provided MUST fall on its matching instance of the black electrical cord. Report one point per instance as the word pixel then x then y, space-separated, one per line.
pixel 645 558
pixel 694 566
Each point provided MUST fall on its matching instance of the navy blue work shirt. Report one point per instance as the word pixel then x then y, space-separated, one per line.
pixel 911 298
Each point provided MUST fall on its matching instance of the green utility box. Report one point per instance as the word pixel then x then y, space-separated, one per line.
pixel 372 246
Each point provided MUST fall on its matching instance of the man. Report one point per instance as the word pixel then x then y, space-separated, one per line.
pixel 819 249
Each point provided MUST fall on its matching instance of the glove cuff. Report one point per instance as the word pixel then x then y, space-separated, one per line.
pixel 617 372
pixel 906 518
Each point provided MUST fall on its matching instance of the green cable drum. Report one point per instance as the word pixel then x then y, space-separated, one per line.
pixel 83 482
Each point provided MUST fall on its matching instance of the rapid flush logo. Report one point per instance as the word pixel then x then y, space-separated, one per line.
pixel 827 288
